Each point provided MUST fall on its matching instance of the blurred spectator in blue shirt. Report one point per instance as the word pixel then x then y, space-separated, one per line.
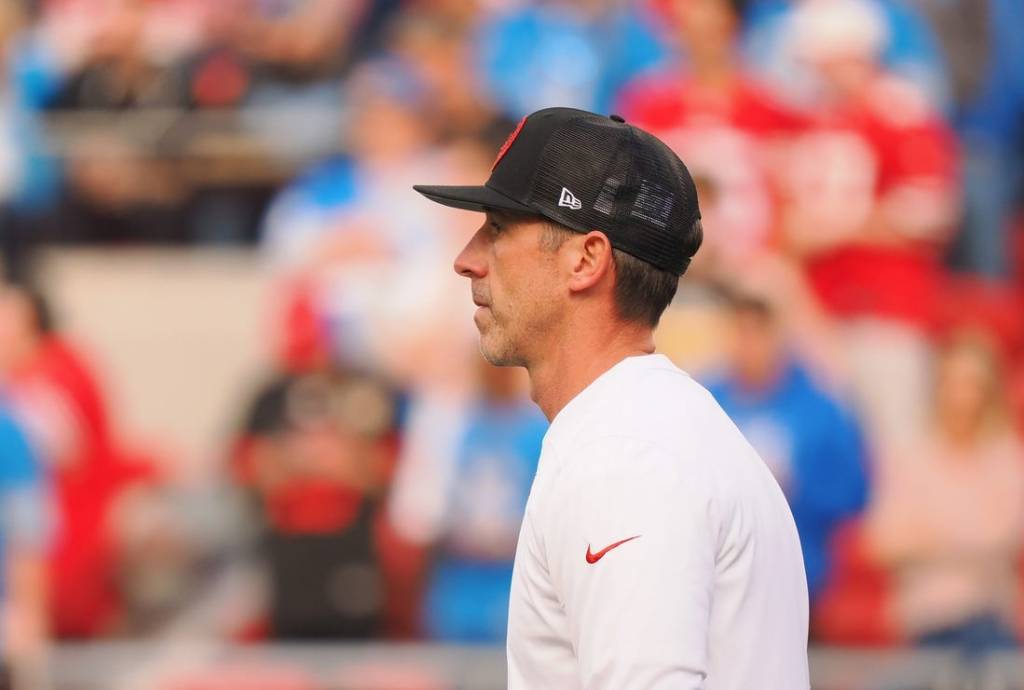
pixel 810 442
pixel 29 177
pixel 467 598
pixel 981 43
pixel 576 54
pixel 24 532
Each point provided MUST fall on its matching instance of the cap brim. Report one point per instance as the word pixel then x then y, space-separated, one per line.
pixel 478 198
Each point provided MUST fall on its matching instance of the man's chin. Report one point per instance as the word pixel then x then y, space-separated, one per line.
pixel 497 356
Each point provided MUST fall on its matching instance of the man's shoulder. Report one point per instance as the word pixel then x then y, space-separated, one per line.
pixel 651 399
pixel 654 410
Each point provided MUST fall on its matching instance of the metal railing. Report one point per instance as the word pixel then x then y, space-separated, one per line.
pixel 257 144
pixel 188 664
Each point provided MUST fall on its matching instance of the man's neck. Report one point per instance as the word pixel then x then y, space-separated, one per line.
pixel 573 364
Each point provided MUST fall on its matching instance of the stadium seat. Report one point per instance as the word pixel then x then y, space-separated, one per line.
pixel 853 608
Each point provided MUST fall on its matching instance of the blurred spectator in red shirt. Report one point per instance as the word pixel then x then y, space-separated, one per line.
pixel 317 455
pixel 949 507
pixel 722 123
pixel 59 398
pixel 871 202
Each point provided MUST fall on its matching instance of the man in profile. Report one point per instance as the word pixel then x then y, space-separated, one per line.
pixel 657 551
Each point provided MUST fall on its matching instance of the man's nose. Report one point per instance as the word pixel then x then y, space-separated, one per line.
pixel 470 261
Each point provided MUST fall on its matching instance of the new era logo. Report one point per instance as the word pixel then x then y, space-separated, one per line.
pixel 569 200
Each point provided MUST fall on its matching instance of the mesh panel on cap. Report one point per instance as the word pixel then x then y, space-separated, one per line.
pixel 628 183
pixel 653 203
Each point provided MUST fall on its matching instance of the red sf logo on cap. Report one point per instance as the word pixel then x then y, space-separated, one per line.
pixel 508 143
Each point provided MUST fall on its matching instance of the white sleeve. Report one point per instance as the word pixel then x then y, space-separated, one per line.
pixel 639 612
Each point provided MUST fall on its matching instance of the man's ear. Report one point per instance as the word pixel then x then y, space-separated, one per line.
pixel 588 260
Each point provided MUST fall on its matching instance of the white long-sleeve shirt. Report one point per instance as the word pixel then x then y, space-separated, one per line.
pixel 657 551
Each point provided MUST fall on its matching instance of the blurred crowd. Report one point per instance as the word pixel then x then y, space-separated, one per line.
pixel 857 307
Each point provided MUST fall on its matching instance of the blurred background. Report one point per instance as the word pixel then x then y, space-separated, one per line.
pixel 247 441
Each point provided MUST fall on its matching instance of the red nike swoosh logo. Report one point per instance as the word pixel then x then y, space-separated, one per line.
pixel 595 557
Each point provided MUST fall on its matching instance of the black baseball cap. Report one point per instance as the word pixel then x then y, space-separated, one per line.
pixel 591 172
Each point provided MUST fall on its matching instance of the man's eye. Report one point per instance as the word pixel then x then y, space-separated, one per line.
pixel 495 227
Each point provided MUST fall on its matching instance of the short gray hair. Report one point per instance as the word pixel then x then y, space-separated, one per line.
pixel 642 291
